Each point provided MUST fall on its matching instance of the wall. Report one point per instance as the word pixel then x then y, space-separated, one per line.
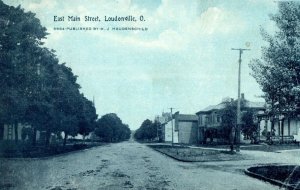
pixel 188 132
pixel 12 137
pixel 168 132
pixel 294 127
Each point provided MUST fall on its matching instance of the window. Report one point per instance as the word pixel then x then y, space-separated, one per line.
pixel 206 120
pixel 200 120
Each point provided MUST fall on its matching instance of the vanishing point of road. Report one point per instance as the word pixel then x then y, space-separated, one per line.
pixel 131 165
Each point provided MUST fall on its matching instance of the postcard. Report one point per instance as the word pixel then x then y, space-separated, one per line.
pixel 137 94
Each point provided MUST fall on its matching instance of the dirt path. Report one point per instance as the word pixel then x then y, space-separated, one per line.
pixel 127 165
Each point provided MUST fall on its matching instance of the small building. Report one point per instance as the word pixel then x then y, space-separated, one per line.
pixel 185 128
pixel 166 121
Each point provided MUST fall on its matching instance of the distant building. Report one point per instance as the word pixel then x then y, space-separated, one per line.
pixel 210 118
pixel 24 132
pixel 9 131
pixel 185 128
pixel 166 128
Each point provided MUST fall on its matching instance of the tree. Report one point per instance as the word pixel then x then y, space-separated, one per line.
pixel 20 33
pixel 147 130
pixel 88 116
pixel 35 88
pixel 248 127
pixel 69 101
pixel 278 71
pixel 228 121
pixel 110 128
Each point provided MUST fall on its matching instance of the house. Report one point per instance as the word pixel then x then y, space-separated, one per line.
pixel 284 125
pixel 23 132
pixel 182 128
pixel 210 118
pixel 9 132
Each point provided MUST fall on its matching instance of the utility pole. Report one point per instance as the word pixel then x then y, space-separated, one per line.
pixel 172 125
pixel 238 113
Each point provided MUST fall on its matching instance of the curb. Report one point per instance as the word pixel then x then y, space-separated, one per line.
pixel 272 181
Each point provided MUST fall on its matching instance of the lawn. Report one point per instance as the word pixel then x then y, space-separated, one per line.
pixel 187 154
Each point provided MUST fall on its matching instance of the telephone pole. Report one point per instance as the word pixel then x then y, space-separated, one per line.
pixel 238 112
pixel 172 125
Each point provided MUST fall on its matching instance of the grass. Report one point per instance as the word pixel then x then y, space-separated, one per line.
pixel 187 154
pixel 24 149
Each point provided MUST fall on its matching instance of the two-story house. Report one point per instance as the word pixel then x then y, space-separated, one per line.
pixel 210 118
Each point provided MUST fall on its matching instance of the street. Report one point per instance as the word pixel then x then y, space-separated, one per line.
pixel 134 166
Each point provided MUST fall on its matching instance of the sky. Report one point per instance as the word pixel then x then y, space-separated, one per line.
pixel 184 60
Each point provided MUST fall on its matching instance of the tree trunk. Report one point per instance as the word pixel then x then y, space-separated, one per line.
pixel 231 138
pixel 1 131
pixel 16 132
pixel 34 136
pixel 47 142
pixel 83 139
pixel 65 139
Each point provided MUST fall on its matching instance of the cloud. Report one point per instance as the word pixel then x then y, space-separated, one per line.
pixel 42 5
pixel 186 49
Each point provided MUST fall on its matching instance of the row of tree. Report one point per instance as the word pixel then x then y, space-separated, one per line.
pixel 38 91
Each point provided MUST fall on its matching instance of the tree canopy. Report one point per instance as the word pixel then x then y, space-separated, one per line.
pixel 35 88
pixel 147 131
pixel 278 70
pixel 110 128
pixel 228 120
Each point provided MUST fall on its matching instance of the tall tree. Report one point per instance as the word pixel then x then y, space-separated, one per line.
pixel 88 116
pixel 35 88
pixel 20 33
pixel 278 71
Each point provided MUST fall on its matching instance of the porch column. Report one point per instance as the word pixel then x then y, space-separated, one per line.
pixel 289 126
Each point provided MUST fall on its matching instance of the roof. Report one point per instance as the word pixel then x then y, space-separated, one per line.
pixel 259 105
pixel 248 104
pixel 186 117
pixel 214 107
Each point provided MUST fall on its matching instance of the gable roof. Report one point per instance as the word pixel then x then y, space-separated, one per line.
pixel 247 104
pixel 186 117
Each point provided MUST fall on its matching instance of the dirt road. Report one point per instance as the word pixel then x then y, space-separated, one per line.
pixel 127 165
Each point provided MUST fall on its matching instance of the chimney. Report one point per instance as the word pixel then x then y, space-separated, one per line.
pixel 242 96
